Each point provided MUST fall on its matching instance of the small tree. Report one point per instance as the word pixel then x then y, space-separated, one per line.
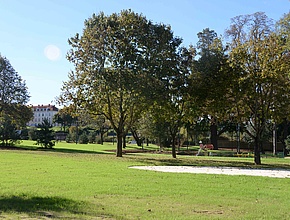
pixel 8 132
pixel 32 134
pixel 45 134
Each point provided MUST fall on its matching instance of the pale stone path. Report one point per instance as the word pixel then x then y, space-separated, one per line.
pixel 277 173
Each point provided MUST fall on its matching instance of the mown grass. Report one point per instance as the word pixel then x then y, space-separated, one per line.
pixel 89 182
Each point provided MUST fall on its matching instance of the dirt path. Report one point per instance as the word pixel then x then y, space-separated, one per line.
pixel 277 173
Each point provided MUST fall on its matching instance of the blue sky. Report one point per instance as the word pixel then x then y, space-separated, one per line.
pixel 34 33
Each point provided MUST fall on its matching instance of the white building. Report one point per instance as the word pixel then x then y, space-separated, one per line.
pixel 40 112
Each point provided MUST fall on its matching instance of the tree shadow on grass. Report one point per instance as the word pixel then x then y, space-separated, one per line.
pixel 209 162
pixel 41 206
pixel 57 150
pixel 66 150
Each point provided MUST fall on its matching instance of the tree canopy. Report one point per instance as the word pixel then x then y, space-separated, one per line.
pixel 13 98
pixel 126 68
pixel 121 62
pixel 262 66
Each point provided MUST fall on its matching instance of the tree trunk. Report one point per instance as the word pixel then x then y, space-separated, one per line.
pixel 124 142
pixel 102 138
pixel 257 158
pixel 136 137
pixel 214 135
pixel 173 147
pixel 119 145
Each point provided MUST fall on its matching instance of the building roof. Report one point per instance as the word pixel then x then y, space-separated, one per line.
pixel 50 107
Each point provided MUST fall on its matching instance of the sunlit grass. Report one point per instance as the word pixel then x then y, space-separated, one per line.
pixel 88 181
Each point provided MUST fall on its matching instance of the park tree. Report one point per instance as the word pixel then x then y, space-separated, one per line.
pixel 13 98
pixel 211 79
pixel 283 31
pixel 170 111
pixel 64 118
pixel 261 65
pixel 45 134
pixel 120 62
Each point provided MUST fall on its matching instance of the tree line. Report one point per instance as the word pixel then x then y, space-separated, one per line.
pixel 137 76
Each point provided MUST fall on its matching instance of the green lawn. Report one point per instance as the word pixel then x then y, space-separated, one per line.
pixel 76 181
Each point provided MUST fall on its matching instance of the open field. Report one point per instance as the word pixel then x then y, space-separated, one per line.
pixel 87 182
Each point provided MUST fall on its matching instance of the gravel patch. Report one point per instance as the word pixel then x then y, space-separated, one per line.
pixel 277 173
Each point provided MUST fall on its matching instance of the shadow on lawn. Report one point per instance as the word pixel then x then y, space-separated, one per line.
pixel 40 206
pixel 209 162
pixel 66 150
pixel 57 150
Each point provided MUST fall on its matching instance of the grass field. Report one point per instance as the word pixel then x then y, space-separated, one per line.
pixel 76 181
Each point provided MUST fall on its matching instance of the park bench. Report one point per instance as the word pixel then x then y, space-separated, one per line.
pixel 208 147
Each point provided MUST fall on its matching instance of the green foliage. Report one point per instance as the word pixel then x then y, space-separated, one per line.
pixel 92 137
pixel 45 135
pixel 260 60
pixel 117 68
pixel 8 133
pixel 287 141
pixel 14 95
pixel 12 87
pixel 32 133
pixel 63 118
pixel 83 138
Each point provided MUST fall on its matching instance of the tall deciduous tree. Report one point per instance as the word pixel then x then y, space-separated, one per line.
pixel 13 97
pixel 211 79
pixel 120 62
pixel 171 110
pixel 262 67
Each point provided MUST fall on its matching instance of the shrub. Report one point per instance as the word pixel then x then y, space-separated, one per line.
pixel 32 133
pixel 83 138
pixel 45 135
pixel 92 137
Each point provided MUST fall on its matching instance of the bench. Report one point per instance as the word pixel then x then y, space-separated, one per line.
pixel 208 147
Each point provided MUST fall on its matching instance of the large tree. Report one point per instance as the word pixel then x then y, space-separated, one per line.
pixel 121 61
pixel 261 65
pixel 211 79
pixel 13 98
pixel 170 112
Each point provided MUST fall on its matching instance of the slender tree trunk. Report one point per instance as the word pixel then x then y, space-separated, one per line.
pixel 119 144
pixel 214 135
pixel 285 134
pixel 102 138
pixel 124 141
pixel 136 137
pixel 173 147
pixel 257 158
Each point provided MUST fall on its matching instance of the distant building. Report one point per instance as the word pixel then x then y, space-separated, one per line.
pixel 40 112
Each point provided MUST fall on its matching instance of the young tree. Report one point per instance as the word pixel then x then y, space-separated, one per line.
pixel 8 131
pixel 45 135
pixel 120 61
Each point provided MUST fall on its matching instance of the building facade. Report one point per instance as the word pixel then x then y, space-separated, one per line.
pixel 40 112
